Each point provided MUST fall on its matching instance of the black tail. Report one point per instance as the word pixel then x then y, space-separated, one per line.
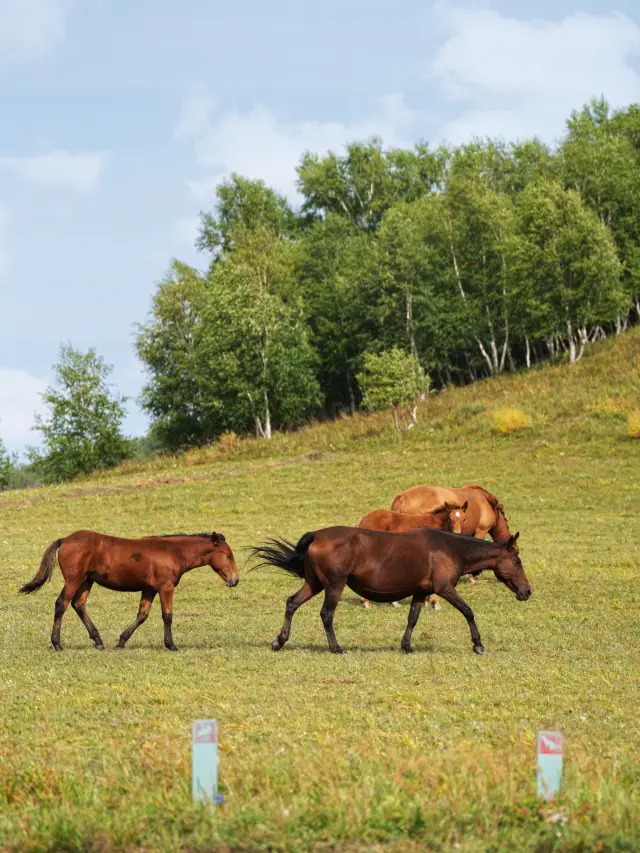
pixel 285 555
pixel 49 560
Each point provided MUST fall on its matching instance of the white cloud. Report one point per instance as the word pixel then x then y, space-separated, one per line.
pixel 523 77
pixel 59 168
pixel 19 401
pixel 257 144
pixel 30 28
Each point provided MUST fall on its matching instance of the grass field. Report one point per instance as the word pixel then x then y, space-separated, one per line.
pixel 374 749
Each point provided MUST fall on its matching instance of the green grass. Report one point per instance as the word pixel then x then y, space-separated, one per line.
pixel 372 750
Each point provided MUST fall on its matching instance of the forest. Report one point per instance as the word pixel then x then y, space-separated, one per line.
pixel 471 261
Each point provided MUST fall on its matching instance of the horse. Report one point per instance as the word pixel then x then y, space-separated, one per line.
pixel 485 514
pixel 450 516
pixel 387 567
pixel 150 565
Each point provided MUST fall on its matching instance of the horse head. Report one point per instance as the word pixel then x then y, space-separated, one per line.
pixel 508 569
pixel 222 560
pixel 457 516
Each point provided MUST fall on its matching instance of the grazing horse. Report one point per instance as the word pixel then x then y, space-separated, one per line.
pixel 485 514
pixel 449 516
pixel 389 567
pixel 151 565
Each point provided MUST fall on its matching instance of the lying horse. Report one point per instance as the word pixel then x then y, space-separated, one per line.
pixel 484 516
pixel 389 567
pixel 151 565
pixel 449 516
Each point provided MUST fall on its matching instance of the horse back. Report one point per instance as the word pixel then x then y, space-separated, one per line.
pixel 480 515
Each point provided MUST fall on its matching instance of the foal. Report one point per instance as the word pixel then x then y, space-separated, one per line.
pixel 450 516
pixel 151 565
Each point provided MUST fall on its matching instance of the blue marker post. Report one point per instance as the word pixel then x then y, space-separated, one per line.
pixel 549 764
pixel 205 761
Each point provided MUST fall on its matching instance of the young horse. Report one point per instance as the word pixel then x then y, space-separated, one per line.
pixel 449 516
pixel 151 565
pixel 485 514
pixel 389 567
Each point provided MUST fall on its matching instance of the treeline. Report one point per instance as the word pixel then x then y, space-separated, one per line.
pixel 401 270
pixel 473 260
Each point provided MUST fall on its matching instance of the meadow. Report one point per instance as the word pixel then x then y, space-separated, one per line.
pixel 373 750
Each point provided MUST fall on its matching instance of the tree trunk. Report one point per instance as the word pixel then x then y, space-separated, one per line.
pixel 267 416
pixel 410 331
pixel 395 420
pixel 527 354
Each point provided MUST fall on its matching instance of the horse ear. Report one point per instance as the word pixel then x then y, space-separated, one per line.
pixel 448 506
pixel 216 538
pixel 465 506
pixel 512 541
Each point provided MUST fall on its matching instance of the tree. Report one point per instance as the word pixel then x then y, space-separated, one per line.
pixel 393 380
pixel 565 267
pixel 167 344
pixel 254 355
pixel 243 204
pixel 7 466
pixel 82 432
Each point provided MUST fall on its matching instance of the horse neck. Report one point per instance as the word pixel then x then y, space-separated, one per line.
pixel 500 531
pixel 193 552
pixel 478 554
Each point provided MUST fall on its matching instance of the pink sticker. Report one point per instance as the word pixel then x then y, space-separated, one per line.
pixel 205 731
pixel 550 743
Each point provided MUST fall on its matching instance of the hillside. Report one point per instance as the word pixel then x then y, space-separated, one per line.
pixel 375 749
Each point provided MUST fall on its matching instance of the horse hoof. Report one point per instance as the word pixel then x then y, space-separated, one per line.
pixel 100 647
pixel 366 604
pixel 395 604
pixel 407 649
pixel 275 645
pixel 479 650
pixel 119 646
pixel 338 650
pixel 172 648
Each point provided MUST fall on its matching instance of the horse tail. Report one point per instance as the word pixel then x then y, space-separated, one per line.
pixel 283 554
pixel 47 565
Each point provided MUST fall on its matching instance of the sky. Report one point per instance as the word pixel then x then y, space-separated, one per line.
pixel 119 117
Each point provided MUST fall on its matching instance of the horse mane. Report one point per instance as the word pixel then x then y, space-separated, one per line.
pixel 212 536
pixel 493 500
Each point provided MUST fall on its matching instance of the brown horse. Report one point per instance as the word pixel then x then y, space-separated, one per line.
pixel 389 567
pixel 151 565
pixel 484 517
pixel 449 516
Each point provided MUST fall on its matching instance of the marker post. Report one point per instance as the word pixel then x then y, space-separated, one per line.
pixel 204 766
pixel 549 771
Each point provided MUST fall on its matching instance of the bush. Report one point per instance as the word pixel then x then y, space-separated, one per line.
pixel 506 421
pixel 633 424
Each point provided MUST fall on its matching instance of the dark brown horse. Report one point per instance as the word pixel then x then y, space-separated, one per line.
pixel 449 516
pixel 389 567
pixel 151 565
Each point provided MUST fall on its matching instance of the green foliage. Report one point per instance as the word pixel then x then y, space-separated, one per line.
pixel 82 431
pixel 393 380
pixel 7 466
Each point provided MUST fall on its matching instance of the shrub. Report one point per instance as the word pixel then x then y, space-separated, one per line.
pixel 228 441
pixel 633 424
pixel 506 421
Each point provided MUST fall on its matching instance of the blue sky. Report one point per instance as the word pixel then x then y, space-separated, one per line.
pixel 119 117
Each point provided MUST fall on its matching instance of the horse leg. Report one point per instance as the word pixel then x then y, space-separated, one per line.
pixel 79 604
pixel 417 603
pixel 434 601
pixel 331 599
pixel 307 591
pixel 449 594
pixel 62 602
pixel 146 600
pixel 166 602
